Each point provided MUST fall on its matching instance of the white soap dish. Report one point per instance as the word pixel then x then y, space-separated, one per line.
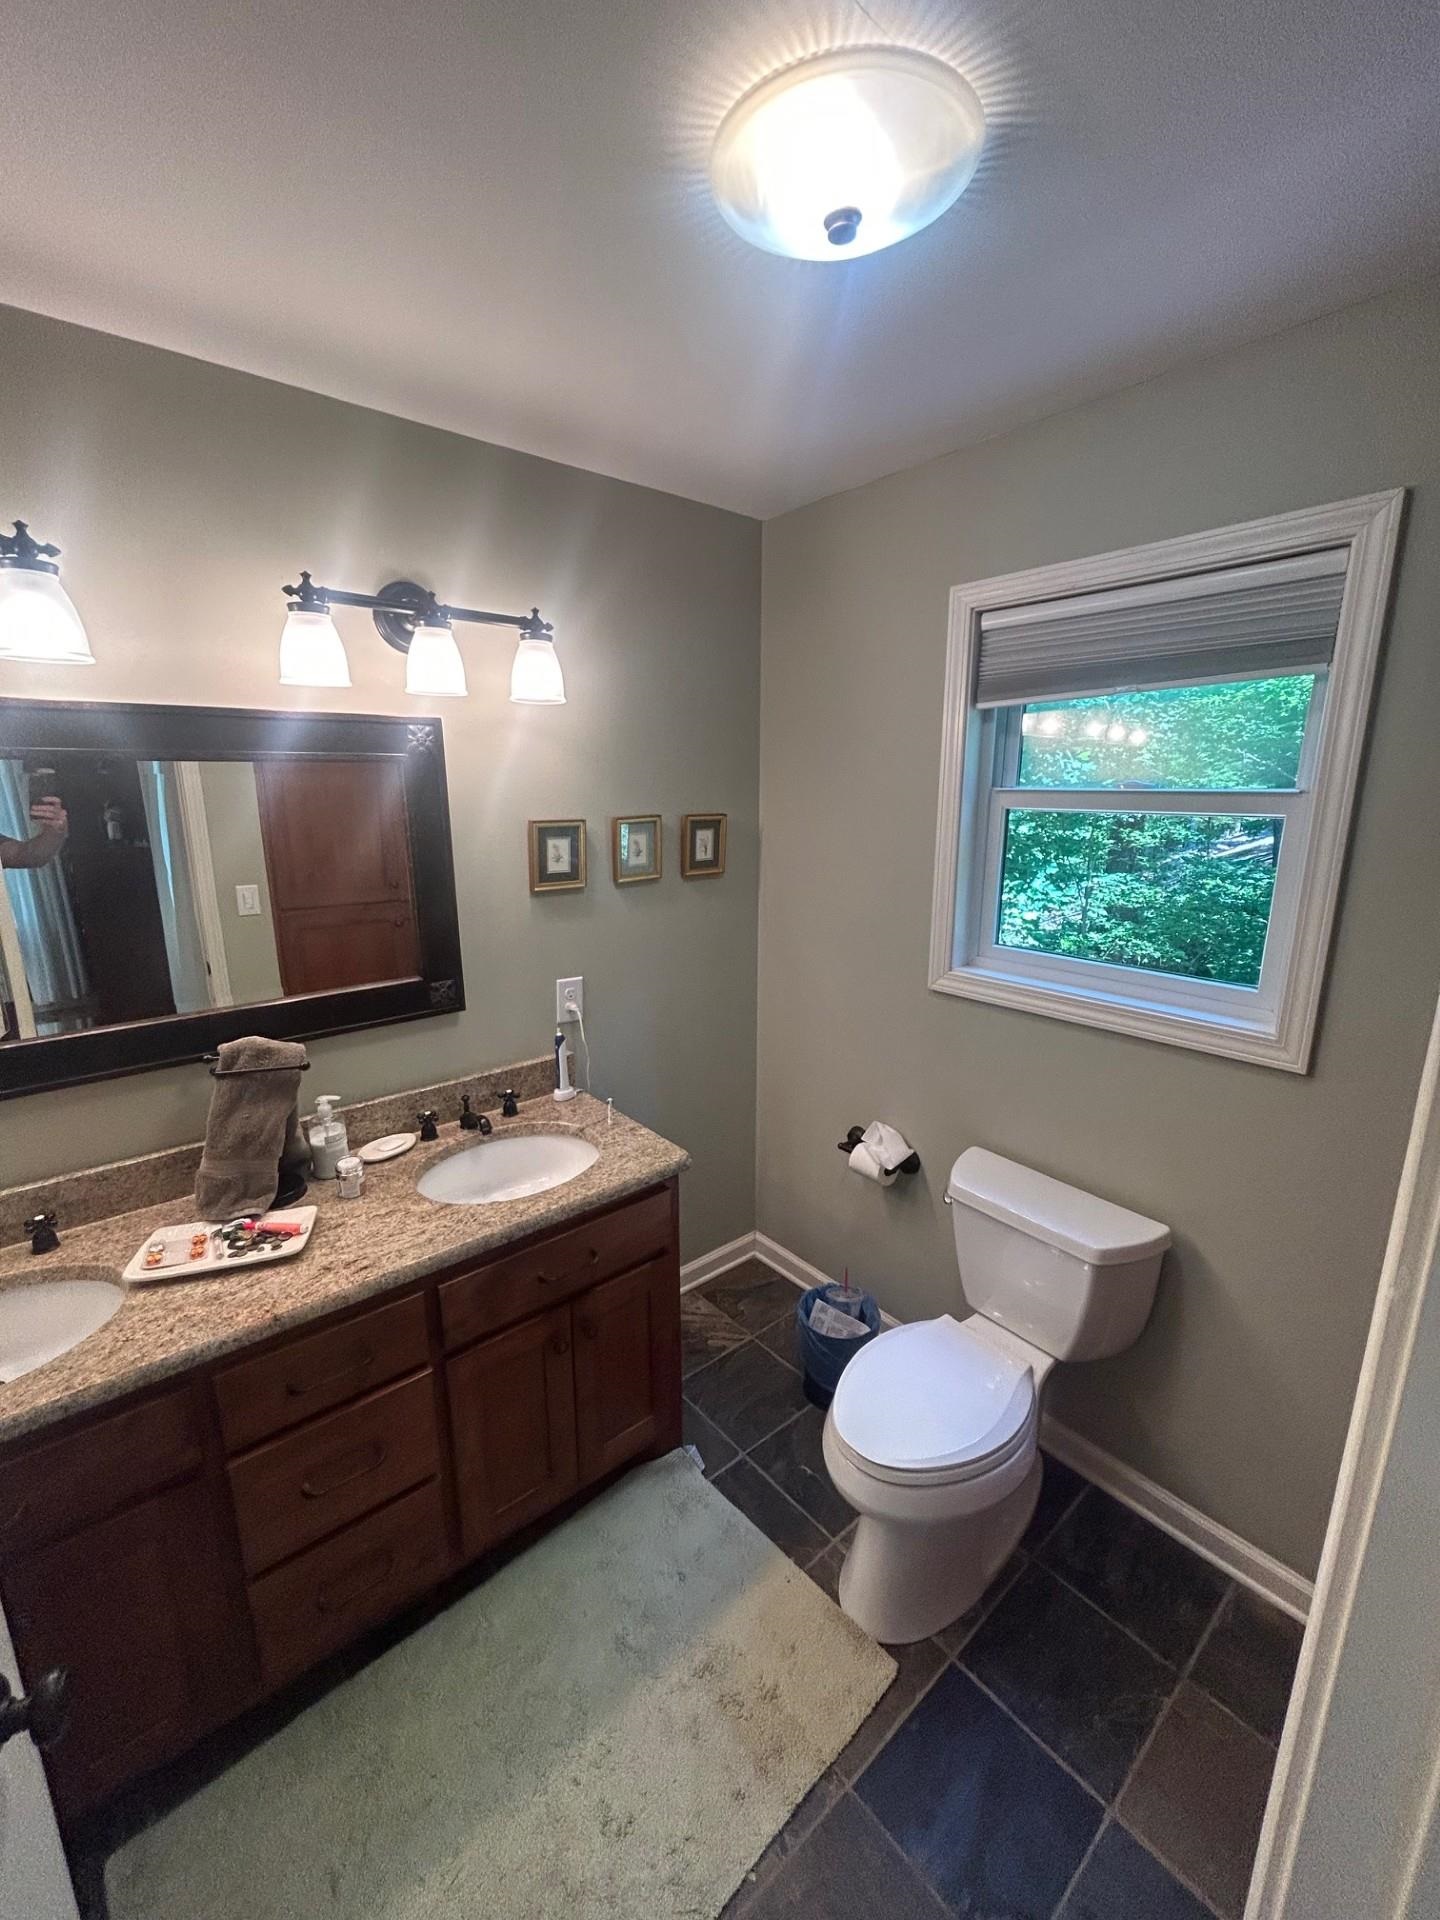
pixel 389 1148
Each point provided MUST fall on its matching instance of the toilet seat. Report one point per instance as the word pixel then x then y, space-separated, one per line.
pixel 935 1403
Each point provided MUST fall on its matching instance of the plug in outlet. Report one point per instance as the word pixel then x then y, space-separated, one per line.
pixel 567 991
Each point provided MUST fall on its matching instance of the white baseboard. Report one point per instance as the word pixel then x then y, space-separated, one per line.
pixel 734 1253
pixel 1251 1566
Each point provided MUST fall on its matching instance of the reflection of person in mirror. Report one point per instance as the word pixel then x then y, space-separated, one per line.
pixel 41 847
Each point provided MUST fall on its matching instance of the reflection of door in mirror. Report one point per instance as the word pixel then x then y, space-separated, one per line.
pixel 337 858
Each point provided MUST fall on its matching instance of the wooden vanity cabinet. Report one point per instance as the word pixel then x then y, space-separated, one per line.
pixel 184 1557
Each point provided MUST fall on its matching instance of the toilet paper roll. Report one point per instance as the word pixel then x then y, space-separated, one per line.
pixel 864 1161
pixel 886 1143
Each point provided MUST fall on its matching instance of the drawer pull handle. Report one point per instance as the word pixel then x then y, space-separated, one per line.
pixel 594 1255
pixel 352 1466
pixel 559 1344
pixel 297 1389
pixel 357 1580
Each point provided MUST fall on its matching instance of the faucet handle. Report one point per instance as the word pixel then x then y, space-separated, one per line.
pixel 43 1237
pixel 428 1124
pixel 509 1107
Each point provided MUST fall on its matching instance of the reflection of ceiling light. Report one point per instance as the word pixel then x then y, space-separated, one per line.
pixel 847 152
pixel 1052 724
pixel 1138 736
pixel 1115 732
pixel 1094 729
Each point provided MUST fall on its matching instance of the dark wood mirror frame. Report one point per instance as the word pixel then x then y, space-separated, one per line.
pixel 227 733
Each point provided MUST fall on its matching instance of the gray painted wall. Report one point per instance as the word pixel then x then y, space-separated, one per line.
pixel 185 495
pixel 1279 1188
pixel 237 855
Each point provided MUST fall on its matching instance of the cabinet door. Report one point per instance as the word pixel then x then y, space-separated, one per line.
pixel 512 1411
pixel 138 1611
pixel 627 1389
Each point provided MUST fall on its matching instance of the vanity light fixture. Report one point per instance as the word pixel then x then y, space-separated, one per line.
pixel 847 152
pixel 38 620
pixel 415 623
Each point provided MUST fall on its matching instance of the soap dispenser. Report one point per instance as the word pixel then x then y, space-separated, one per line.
pixel 329 1142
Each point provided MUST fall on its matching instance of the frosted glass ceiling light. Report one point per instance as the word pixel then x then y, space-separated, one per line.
pixel 535 678
pixel 312 654
pixel 38 621
pixel 847 152
pixel 433 666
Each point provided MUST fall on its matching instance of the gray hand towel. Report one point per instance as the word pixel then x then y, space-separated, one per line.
pixel 253 1120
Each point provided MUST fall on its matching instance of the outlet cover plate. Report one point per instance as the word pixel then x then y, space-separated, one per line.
pixel 571 989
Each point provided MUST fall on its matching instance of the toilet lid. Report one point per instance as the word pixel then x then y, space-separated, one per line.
pixel 931 1395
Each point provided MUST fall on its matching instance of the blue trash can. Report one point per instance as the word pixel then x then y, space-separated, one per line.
pixel 823 1358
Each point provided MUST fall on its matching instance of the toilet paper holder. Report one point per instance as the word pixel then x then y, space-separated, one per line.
pixel 911 1164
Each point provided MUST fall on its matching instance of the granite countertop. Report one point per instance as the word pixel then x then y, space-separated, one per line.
pixel 359 1248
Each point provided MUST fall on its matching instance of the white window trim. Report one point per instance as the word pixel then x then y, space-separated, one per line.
pixel 1275 1025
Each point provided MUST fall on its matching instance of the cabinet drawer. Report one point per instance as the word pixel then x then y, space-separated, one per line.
pixel 327 1596
pixel 294 1490
pixel 50 1490
pixel 523 1283
pixel 318 1371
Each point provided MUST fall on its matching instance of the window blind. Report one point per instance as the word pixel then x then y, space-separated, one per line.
pixel 1277 616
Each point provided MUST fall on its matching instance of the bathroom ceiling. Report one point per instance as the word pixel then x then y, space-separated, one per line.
pixel 493 215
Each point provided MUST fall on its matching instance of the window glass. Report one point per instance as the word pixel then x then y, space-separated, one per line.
pixel 1176 893
pixel 1246 733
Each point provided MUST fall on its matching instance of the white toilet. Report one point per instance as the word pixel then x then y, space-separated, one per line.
pixel 931 1436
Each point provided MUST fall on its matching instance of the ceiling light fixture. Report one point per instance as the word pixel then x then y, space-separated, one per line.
pixel 38 621
pixel 414 622
pixel 847 152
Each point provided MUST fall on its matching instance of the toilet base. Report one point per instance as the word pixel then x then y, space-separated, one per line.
pixel 905 1580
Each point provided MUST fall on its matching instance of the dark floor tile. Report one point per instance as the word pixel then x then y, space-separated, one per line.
pixel 753 1295
pixel 1060 1488
pixel 747 1394
pixel 705 1332
pixel 1084 1687
pixel 918 1666
pixel 781 1341
pixel 848 1869
pixel 1248 1663
pixel 802 1822
pixel 824 1570
pixel 760 1500
pixel 1121 1881
pixel 954 1637
pixel 717 1450
pixel 1138 1575
pixel 793 1459
pixel 993 1823
pixel 1198 1797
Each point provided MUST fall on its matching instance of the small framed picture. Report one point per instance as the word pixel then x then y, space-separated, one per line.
pixel 557 855
pixel 636 841
pixel 702 845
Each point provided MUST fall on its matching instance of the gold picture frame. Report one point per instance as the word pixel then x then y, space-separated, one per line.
pixel 551 869
pixel 630 834
pixel 702 845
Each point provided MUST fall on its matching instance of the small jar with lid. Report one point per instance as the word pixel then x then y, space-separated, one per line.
pixel 350 1173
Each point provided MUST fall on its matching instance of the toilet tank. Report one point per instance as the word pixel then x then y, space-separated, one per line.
pixel 1073 1274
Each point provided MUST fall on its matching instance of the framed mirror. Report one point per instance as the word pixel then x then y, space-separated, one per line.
pixel 178 876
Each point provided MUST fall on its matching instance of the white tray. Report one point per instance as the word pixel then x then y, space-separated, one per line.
pixel 138 1274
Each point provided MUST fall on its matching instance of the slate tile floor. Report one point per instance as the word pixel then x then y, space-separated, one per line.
pixel 1093 1741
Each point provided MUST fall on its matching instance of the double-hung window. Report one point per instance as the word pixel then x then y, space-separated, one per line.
pixel 1148 772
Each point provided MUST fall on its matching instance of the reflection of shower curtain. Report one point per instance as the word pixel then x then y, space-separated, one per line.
pixel 159 789
pixel 44 918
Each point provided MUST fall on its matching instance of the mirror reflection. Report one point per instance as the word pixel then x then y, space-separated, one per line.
pixel 138 888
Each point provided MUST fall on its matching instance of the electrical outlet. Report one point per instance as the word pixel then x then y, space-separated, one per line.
pixel 247 901
pixel 573 989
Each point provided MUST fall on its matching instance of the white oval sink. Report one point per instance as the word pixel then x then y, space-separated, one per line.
pixel 41 1319
pixel 510 1169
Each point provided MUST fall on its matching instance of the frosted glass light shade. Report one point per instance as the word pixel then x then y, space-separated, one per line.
pixel 433 666
pixel 38 620
pixel 883 133
pixel 535 678
pixel 312 654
